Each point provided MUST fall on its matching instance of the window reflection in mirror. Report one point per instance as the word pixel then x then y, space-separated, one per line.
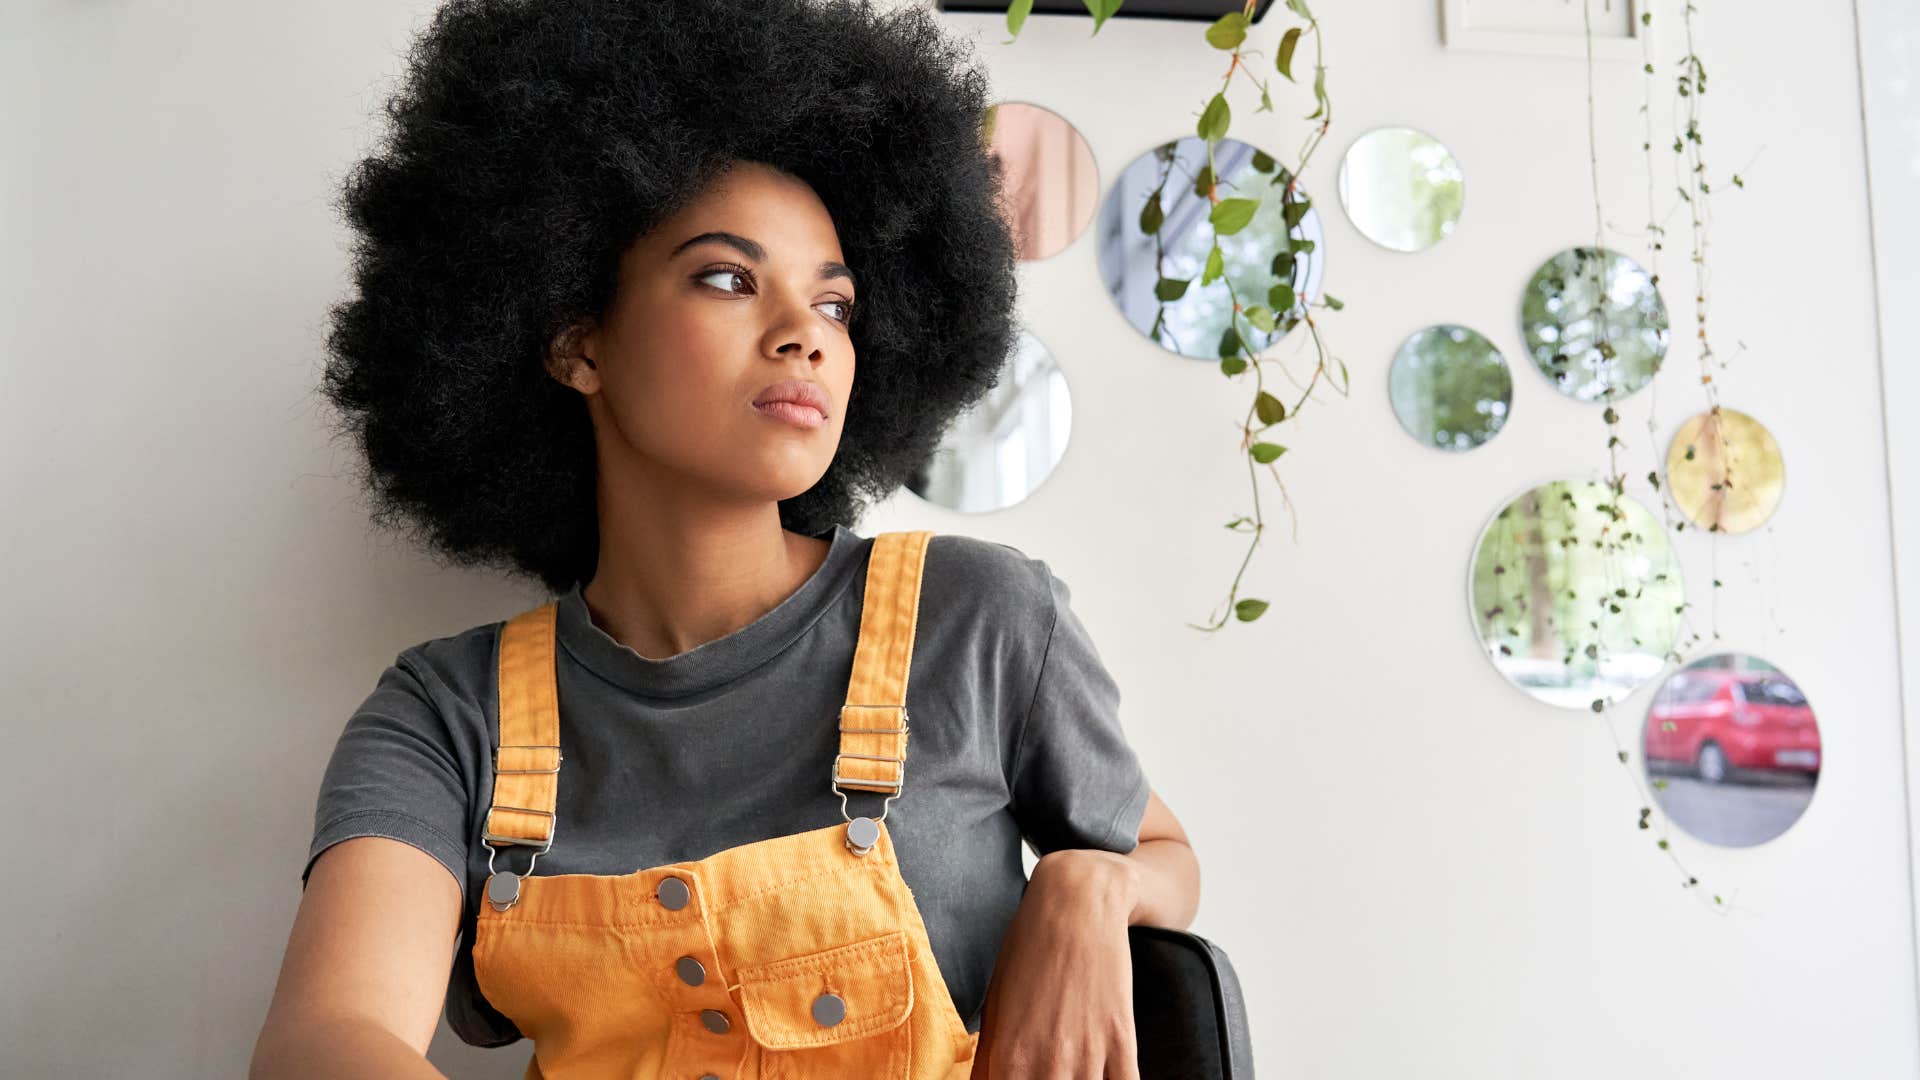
pixel 1156 237
pixel 1402 188
pixel 999 451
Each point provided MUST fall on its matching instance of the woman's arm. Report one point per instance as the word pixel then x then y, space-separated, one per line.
pixel 365 973
pixel 1061 999
pixel 1158 884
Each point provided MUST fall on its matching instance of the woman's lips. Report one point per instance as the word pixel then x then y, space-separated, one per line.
pixel 794 413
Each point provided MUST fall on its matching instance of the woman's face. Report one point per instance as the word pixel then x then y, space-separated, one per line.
pixel 740 291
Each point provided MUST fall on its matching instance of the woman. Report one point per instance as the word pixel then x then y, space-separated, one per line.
pixel 616 264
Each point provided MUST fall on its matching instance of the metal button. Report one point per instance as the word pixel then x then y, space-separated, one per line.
pixel 829 1009
pixel 862 834
pixel 690 971
pixel 673 893
pixel 715 1020
pixel 503 889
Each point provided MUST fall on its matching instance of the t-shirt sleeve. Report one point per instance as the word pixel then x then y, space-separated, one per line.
pixel 1077 783
pixel 395 772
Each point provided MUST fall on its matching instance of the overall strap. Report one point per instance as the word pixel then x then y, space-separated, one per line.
pixel 873 723
pixel 526 761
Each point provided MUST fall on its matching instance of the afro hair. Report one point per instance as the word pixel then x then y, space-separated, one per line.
pixel 532 141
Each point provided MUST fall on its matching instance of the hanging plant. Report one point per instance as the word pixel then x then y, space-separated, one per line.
pixel 1693 190
pixel 1286 304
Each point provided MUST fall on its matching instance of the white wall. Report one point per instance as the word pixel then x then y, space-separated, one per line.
pixel 1416 868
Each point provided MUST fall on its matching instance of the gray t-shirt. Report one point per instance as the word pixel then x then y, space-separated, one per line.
pixel 1016 735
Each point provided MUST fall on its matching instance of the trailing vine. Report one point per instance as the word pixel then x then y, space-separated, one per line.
pixel 1694 189
pixel 1285 306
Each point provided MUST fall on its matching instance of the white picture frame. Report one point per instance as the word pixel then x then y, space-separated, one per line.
pixel 1493 26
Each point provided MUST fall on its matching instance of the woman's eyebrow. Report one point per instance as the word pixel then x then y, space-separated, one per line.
pixel 754 251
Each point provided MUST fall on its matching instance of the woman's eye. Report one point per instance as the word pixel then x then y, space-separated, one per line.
pixel 723 273
pixel 846 309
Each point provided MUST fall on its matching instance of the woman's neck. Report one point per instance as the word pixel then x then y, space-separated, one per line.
pixel 668 581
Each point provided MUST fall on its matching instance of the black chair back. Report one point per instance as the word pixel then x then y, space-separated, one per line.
pixel 1189 1018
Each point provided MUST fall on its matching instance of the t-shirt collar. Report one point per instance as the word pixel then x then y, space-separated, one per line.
pixel 722 660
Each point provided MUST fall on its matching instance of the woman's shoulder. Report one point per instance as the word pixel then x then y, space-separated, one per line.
pixel 974 580
pixel 997 570
pixel 457 667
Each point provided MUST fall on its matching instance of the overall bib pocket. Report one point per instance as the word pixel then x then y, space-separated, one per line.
pixel 841 1011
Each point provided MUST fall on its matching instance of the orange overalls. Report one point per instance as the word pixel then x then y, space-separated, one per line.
pixel 797 956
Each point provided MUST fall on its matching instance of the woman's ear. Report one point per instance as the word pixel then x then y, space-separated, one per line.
pixel 568 361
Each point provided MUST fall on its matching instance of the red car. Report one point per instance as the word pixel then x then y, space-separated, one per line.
pixel 1715 721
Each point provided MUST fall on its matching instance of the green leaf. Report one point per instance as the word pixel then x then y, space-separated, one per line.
pixel 1262 162
pixel 1293 211
pixel 1214 268
pixel 1228 31
pixel 1215 120
pixel 1232 365
pixel 1229 342
pixel 1151 215
pixel 1284 62
pixel 1203 183
pixel 1167 290
pixel 1229 216
pixel 1319 92
pixel 1260 316
pixel 1249 610
pixel 1300 245
pixel 1333 301
pixel 1283 265
pixel 1017 13
pixel 1281 297
pixel 1101 10
pixel 1269 409
pixel 1264 452
pixel 1299 7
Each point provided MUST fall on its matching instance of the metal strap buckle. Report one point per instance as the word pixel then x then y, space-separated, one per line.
pixel 495 838
pixel 893 786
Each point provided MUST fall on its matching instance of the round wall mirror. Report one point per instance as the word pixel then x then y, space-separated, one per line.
pixel 1732 749
pixel 1576 594
pixel 1594 324
pixel 1156 236
pixel 1725 471
pixel 1401 188
pixel 1450 387
pixel 997 452
pixel 1049 180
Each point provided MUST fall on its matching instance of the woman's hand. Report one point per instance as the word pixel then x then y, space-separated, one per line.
pixel 1060 1003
